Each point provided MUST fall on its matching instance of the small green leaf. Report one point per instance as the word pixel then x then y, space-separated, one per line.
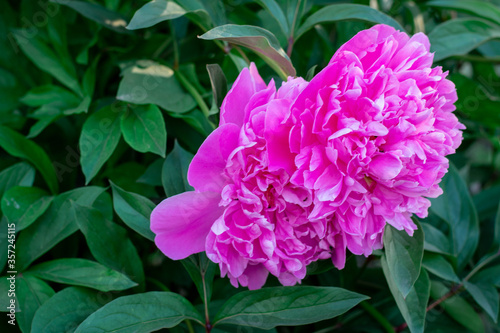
pixel 275 10
pixel 152 175
pixel 435 239
pixel 479 8
pixel 490 275
pixel 31 293
pixel 286 306
pixel 404 256
pixel 82 272
pixel 439 266
pixel 19 174
pixel 17 145
pixel 23 205
pixel 53 226
pixel 99 138
pixel 259 40
pixel 45 59
pixel 134 210
pixel 49 94
pixel 97 13
pixel 141 313
pixel 219 83
pixel 460 36
pixel 158 11
pixel 457 308
pixel 342 12
pixel 486 295
pixel 413 306
pixel 174 172
pixel 108 242
pixel 143 128
pixel 496 237
pixel 455 207
pixel 60 311
pixel 147 82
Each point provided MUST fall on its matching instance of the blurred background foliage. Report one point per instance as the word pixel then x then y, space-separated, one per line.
pixel 104 103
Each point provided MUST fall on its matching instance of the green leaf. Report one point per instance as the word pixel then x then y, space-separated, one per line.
pixel 31 293
pixel 259 40
pixel 82 272
pixel 53 226
pixel 439 266
pixel 404 256
pixel 141 313
pixel 490 275
pixel 19 174
pixel 23 205
pixel 5 289
pixel 97 13
pixel 147 82
pixel 413 306
pixel 219 83
pixel 108 242
pixel 479 8
pixel 460 36
pixel 143 128
pixel 435 240
pixel 158 11
pixel 152 175
pixel 45 59
pixel 341 12
pixel 99 138
pixel 174 172
pixel 60 312
pixel 455 207
pixel 17 145
pixel 202 272
pixel 486 295
pixel 496 237
pixel 134 210
pixel 457 308
pixel 49 94
pixel 286 306
pixel 275 10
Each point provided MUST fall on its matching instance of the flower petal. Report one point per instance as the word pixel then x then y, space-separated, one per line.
pixel 182 222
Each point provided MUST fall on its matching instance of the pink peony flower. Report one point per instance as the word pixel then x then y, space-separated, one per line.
pixel 368 137
pixel 249 219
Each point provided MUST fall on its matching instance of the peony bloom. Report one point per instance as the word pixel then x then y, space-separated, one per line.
pixel 249 219
pixel 368 137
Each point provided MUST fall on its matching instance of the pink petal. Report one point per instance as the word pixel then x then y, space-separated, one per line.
pixel 182 222
pixel 206 170
pixel 385 166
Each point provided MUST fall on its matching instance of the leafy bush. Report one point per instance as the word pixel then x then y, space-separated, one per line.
pixel 103 106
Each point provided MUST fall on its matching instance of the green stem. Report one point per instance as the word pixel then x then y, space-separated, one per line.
pixel 176 46
pixel 208 327
pixel 477 58
pixel 377 316
pixel 481 265
pixel 192 90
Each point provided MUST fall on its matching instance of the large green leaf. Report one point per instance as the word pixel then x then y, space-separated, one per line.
pixel 457 308
pixel 53 226
pixel 404 256
pixel 99 138
pixel 158 11
pixel 141 313
pixel 439 266
pixel 284 306
pixel 490 275
pixel 341 12
pixel 23 205
pixel 143 128
pixel 259 40
pixel 277 12
pixel 147 82
pixel 46 59
pixel 82 272
pixel 486 295
pixel 460 36
pixel 476 7
pixel 31 293
pixel 413 306
pixel 496 237
pixel 67 309
pixel 435 239
pixel 108 242
pixel 56 96
pixel 174 171
pixel 134 210
pixel 19 174
pixel 455 207
pixel 17 145
pixel 97 13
